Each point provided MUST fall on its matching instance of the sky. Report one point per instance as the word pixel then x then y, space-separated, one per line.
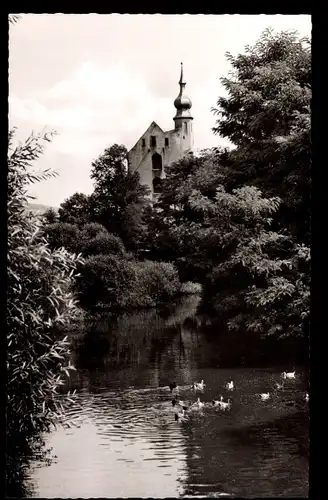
pixel 101 79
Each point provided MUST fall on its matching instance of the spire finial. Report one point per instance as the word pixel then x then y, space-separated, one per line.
pixel 181 76
pixel 182 102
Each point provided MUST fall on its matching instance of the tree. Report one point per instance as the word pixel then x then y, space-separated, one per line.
pixel 134 228
pixel 76 210
pixel 39 303
pixel 258 278
pixel 104 283
pixel 63 235
pixel 116 284
pixel 266 115
pixel 50 216
pixel 118 198
pixel 170 237
pixel 253 276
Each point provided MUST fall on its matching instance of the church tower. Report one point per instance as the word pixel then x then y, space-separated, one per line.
pixel 157 148
pixel 183 118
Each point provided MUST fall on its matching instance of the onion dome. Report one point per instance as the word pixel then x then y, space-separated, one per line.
pixel 182 102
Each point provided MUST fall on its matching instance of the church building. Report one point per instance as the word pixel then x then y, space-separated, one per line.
pixel 157 148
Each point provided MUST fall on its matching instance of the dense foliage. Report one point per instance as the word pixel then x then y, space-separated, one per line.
pixel 238 220
pixel 235 220
pixel 62 234
pixel 111 277
pixel 88 239
pixel 39 303
pixel 112 283
pixel 267 116
pixel 119 199
pixel 118 203
pixel 76 210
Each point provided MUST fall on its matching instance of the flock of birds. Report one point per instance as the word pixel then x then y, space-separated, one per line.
pixel 183 407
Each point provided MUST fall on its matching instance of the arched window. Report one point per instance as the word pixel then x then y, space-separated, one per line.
pixel 157 185
pixel 157 161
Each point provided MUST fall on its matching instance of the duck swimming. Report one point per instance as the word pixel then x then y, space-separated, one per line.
pixel 279 386
pixel 217 402
pixel 307 397
pixel 223 405
pixel 181 414
pixel 288 375
pixel 199 404
pixel 199 386
pixel 265 396
pixel 230 386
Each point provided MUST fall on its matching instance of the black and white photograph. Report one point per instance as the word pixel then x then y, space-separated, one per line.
pixel 158 255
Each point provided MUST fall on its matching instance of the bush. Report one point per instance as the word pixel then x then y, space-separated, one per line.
pixel 160 279
pixel 191 288
pixel 103 282
pixel 63 234
pixel 91 230
pixel 104 243
pixel 115 283
pixel 155 283
pixel 50 216
pixel 39 300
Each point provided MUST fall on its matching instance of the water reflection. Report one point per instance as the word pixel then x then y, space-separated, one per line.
pixel 127 443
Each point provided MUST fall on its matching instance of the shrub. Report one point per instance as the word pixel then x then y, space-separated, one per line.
pixel 115 283
pixel 63 234
pixel 39 299
pixel 91 230
pixel 104 281
pixel 154 283
pixel 160 280
pixel 104 243
pixel 77 209
pixel 191 288
pixel 50 216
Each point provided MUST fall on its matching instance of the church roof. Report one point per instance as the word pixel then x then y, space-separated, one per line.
pixel 151 126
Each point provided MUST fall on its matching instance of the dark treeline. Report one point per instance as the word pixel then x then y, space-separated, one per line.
pixel 234 220
pixel 109 229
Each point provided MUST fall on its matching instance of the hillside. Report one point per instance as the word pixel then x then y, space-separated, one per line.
pixel 39 208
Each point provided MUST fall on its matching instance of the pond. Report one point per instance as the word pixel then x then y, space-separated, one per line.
pixel 126 441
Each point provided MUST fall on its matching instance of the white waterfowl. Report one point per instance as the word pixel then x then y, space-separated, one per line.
pixel 199 403
pixel 225 405
pixel 217 402
pixel 181 414
pixel 288 375
pixel 221 404
pixel 265 396
pixel 307 397
pixel 230 386
pixel 279 386
pixel 199 386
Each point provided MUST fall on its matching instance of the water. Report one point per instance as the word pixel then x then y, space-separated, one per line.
pixel 126 442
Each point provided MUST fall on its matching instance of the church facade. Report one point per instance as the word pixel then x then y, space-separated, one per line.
pixel 157 148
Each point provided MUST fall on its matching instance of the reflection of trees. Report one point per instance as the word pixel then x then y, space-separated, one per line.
pixel 224 457
pixel 140 347
pixel 248 348
pixel 18 484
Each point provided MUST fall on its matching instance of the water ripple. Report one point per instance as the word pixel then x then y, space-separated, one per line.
pixel 128 444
